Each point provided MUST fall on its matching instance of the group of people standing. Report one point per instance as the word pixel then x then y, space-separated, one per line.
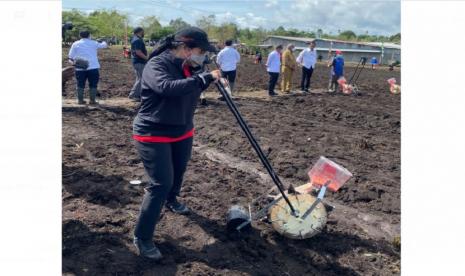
pixel 285 63
pixel 278 63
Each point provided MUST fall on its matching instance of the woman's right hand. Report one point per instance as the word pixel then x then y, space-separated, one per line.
pixel 216 74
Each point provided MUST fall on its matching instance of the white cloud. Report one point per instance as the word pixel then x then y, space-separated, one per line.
pixel 271 3
pixel 174 3
pixel 374 16
pixel 380 17
pixel 248 20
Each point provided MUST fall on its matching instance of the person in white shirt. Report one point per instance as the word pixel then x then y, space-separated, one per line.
pixel 83 55
pixel 273 66
pixel 307 59
pixel 228 58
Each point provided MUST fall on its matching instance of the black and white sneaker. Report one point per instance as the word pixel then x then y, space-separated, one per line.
pixel 147 249
pixel 177 207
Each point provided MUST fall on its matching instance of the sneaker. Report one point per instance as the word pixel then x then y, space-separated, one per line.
pixel 93 103
pixel 147 249
pixel 177 207
pixel 273 94
pixel 82 102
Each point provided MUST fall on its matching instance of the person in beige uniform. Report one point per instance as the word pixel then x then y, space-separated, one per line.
pixel 288 67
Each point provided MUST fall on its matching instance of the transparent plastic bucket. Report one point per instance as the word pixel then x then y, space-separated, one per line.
pixel 391 81
pixel 394 88
pixel 346 88
pixel 325 170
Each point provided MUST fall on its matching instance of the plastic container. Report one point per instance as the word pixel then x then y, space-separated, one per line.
pixel 391 81
pixel 394 88
pixel 325 170
pixel 346 88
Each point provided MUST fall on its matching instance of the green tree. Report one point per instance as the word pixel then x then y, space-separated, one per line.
pixel 395 38
pixel 347 35
pixel 208 24
pixel 151 25
pixel 162 32
pixel 178 23
pixel 107 23
pixel 364 37
pixel 279 31
pixel 226 31
pixel 79 21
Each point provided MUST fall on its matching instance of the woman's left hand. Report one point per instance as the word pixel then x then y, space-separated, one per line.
pixel 216 74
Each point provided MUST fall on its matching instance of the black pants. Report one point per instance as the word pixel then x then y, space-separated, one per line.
pixel 230 76
pixel 273 80
pixel 306 76
pixel 333 84
pixel 165 164
pixel 87 75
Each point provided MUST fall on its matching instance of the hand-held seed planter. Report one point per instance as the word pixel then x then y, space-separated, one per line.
pixel 297 216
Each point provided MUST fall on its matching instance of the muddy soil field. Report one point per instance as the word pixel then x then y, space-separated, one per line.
pixel 360 132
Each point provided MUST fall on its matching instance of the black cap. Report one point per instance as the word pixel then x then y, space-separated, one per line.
pixel 84 33
pixel 194 37
pixel 137 30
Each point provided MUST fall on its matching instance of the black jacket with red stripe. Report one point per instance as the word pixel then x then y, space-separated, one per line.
pixel 168 97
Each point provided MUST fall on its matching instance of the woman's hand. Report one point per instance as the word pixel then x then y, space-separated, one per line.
pixel 216 74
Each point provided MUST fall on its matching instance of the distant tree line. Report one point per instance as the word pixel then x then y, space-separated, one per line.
pixel 111 23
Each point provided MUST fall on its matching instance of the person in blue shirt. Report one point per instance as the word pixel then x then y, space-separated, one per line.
pixel 139 59
pixel 337 70
pixel 374 62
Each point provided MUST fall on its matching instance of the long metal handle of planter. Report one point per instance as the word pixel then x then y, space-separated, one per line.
pixel 253 141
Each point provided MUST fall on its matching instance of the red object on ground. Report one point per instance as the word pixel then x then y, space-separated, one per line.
pixel 126 52
pixel 163 139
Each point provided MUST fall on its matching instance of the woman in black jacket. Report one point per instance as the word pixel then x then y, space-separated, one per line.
pixel 163 129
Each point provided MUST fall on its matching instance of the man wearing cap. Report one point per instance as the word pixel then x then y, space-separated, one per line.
pixel 228 58
pixel 83 55
pixel 139 59
pixel 273 66
pixel 287 68
pixel 337 71
pixel 163 128
pixel 307 59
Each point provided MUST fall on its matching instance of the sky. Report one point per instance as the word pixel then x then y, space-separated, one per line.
pixel 361 16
